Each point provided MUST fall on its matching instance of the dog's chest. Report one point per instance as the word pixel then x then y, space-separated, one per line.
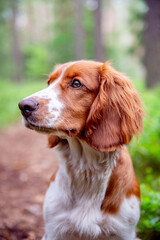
pixel 69 210
pixel 70 218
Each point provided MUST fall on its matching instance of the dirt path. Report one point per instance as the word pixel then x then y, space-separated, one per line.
pixel 25 168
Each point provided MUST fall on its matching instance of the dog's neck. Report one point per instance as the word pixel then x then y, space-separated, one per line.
pixel 85 170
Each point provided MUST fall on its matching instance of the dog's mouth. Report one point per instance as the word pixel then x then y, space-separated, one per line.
pixel 55 136
pixel 48 130
pixel 38 127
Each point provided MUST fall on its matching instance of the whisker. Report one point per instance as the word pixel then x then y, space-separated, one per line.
pixel 65 124
pixel 67 120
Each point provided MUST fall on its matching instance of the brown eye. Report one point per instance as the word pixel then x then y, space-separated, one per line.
pixel 76 84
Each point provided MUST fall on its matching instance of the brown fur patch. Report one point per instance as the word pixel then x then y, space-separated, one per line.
pixel 77 101
pixel 52 178
pixel 122 183
pixel 116 114
pixel 52 141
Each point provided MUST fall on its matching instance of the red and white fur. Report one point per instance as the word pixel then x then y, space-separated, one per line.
pixel 94 194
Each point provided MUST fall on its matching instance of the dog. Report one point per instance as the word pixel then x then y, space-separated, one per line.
pixel 90 112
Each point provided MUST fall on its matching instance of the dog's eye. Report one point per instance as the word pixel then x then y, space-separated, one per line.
pixel 76 84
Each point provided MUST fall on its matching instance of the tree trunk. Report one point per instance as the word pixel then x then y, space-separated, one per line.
pixel 16 50
pixel 30 15
pixel 79 30
pixel 152 43
pixel 99 51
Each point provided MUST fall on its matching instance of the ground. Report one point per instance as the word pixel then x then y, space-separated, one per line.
pixel 25 168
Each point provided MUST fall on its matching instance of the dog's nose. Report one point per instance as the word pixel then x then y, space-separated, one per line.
pixel 27 106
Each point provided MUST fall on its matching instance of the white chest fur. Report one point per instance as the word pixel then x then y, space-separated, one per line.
pixel 72 206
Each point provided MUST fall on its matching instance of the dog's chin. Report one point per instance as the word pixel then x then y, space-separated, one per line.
pixel 37 127
pixel 40 129
pixel 44 129
pixel 61 133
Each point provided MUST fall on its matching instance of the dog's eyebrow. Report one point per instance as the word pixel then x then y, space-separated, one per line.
pixel 53 76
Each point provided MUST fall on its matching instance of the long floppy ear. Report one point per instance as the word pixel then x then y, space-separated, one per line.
pixel 116 113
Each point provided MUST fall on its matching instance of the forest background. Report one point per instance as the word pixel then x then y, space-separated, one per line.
pixel 35 35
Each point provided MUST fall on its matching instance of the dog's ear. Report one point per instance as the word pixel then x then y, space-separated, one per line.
pixel 116 113
pixel 52 141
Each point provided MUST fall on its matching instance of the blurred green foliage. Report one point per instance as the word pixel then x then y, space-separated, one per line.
pixel 62 43
pixel 149 224
pixel 36 65
pixel 146 151
pixel 146 158
pixel 89 28
pixel 137 11
pixel 12 93
pixel 5 41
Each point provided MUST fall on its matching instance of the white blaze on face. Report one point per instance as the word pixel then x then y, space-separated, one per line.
pixel 54 105
pixel 52 94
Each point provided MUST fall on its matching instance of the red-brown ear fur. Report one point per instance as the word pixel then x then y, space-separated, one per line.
pixel 116 114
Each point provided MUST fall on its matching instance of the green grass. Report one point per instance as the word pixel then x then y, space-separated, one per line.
pixel 10 95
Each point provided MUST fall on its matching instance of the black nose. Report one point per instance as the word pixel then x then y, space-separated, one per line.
pixel 27 106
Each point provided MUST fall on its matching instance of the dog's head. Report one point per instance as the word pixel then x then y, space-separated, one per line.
pixel 87 99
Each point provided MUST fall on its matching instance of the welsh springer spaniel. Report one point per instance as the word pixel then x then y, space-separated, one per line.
pixel 90 112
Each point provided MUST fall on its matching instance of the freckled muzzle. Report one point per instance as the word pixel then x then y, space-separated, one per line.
pixel 28 106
